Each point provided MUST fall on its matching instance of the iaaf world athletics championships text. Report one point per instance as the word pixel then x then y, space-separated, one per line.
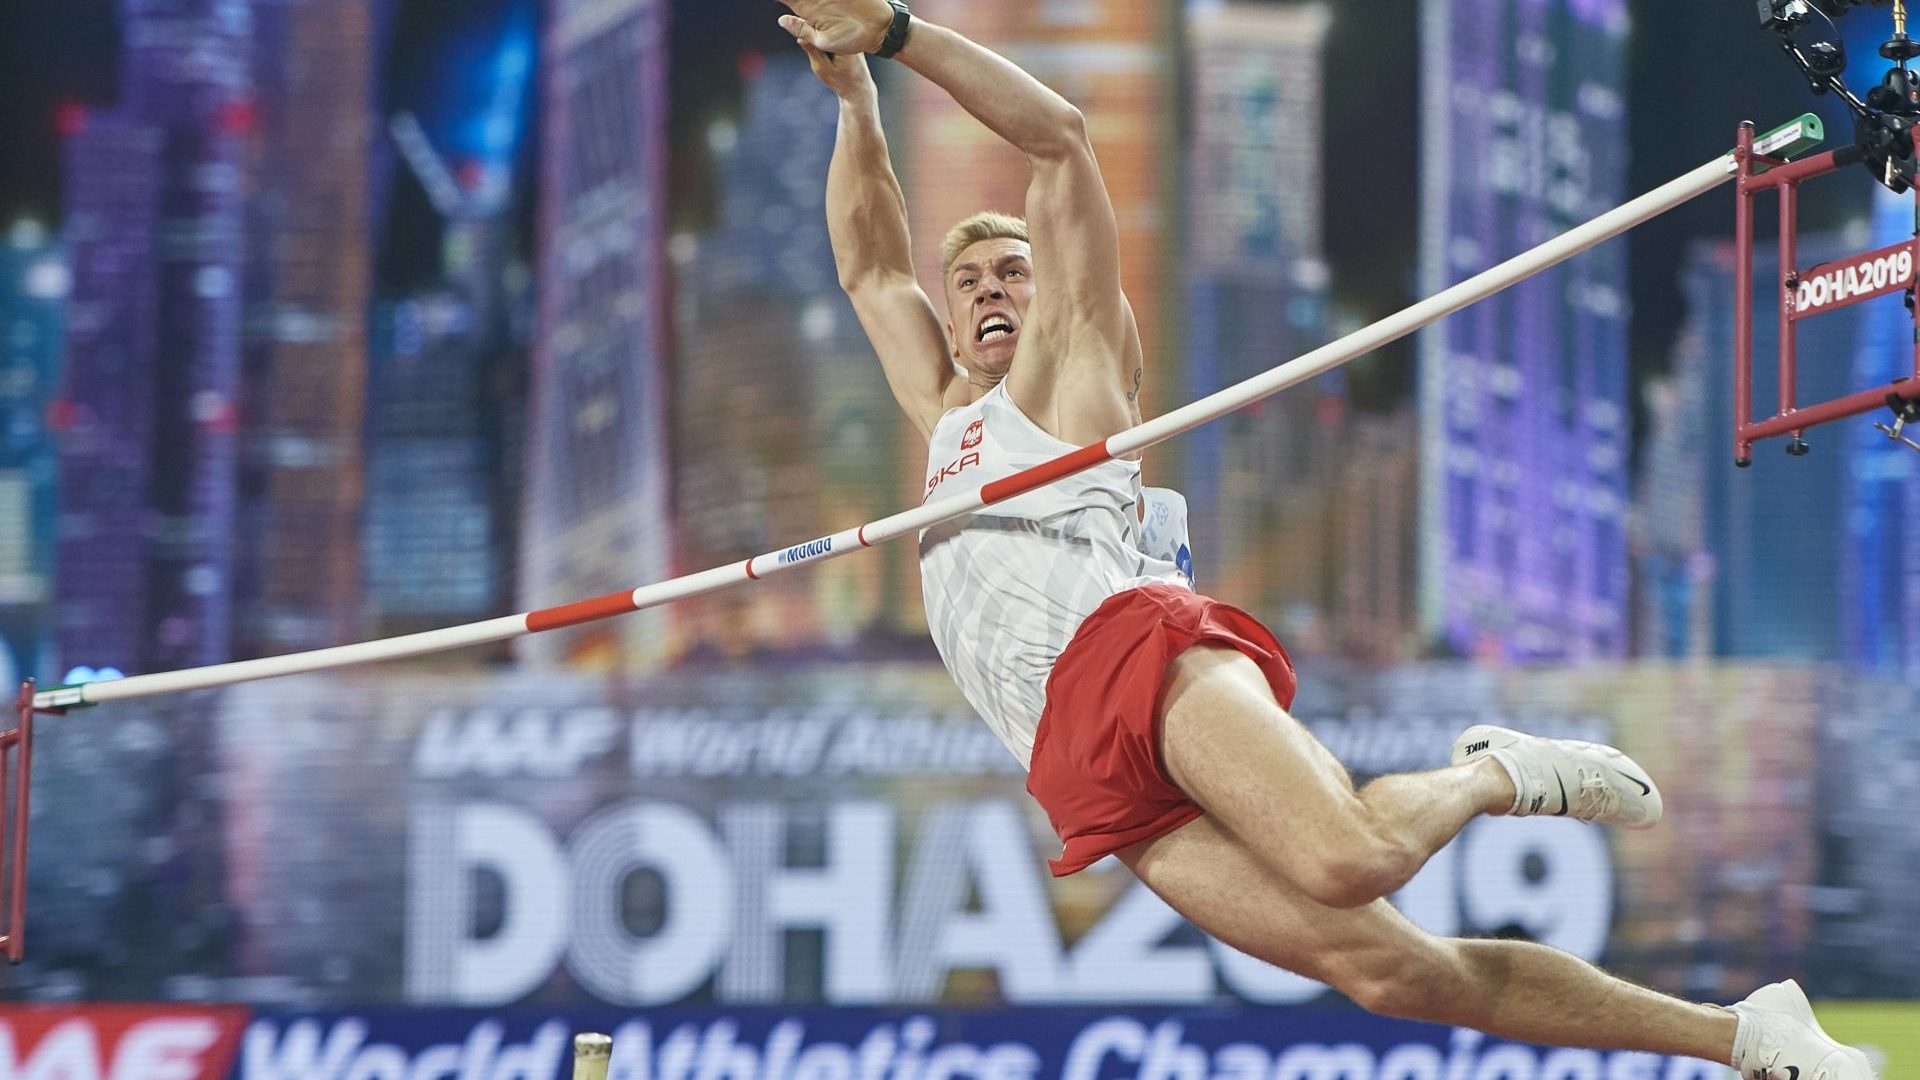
pixel 835 740
pixel 1105 1047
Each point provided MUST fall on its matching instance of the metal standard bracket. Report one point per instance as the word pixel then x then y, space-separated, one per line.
pixel 1904 413
pixel 13 839
pixel 1803 292
pixel 1894 433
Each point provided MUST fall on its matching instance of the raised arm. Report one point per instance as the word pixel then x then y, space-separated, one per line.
pixel 1076 243
pixel 1076 246
pixel 867 220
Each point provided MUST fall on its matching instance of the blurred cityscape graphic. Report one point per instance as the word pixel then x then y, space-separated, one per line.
pixel 238 431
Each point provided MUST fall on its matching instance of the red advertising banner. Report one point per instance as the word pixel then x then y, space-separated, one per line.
pixel 120 1042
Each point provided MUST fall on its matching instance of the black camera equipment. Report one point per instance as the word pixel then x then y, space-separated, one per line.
pixel 1883 123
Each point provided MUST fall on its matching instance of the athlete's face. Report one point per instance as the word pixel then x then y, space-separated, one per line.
pixel 988 290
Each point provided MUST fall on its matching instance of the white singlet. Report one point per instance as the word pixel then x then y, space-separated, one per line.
pixel 1006 587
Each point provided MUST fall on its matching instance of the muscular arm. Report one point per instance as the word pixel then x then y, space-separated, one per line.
pixel 1079 314
pixel 867 220
pixel 1079 308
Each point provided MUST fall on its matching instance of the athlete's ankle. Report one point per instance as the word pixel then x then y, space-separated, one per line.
pixel 1742 1036
pixel 1503 784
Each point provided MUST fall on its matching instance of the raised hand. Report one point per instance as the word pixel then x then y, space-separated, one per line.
pixel 838 26
pixel 845 74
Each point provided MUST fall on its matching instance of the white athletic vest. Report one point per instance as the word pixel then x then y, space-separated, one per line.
pixel 1006 587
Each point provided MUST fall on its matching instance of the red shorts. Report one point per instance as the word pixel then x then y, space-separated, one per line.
pixel 1096 766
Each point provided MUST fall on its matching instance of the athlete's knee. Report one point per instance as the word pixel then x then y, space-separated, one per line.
pixel 1356 870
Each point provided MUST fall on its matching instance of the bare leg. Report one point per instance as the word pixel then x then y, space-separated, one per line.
pixel 1374 955
pixel 1267 781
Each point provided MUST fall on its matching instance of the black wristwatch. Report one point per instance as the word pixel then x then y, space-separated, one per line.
pixel 896 31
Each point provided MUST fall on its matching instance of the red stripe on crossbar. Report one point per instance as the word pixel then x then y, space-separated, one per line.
pixel 584 611
pixel 1047 472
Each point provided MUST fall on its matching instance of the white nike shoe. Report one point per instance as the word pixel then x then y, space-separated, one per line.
pixel 1785 1042
pixel 1566 778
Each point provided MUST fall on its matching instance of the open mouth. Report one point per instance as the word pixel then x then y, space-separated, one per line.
pixel 995 328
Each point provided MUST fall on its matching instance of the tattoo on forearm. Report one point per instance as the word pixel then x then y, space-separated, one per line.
pixel 1134 394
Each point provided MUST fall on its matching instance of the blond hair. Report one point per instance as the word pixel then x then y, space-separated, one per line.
pixel 985 225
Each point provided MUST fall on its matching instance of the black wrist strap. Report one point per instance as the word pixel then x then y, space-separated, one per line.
pixel 896 31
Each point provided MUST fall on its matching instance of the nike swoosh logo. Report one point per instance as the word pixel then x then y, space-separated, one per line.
pixel 1562 812
pixel 1647 789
